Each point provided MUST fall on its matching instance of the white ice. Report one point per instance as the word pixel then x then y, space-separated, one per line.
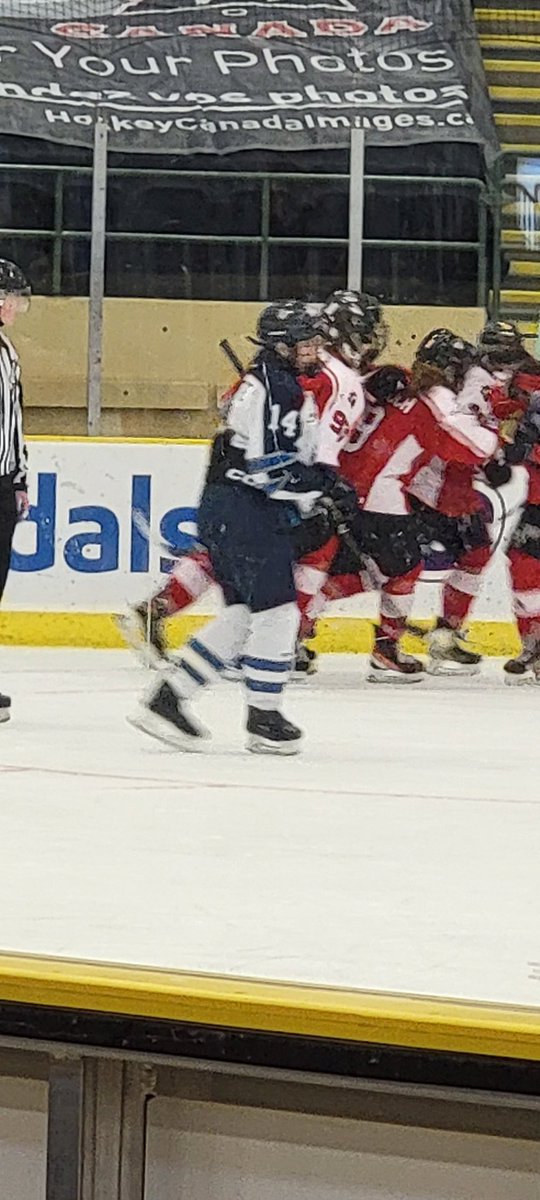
pixel 400 852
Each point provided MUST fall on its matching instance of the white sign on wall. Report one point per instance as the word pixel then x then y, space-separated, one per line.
pixel 84 550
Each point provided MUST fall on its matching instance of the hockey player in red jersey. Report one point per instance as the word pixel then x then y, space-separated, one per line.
pixel 441 490
pixel 354 334
pixel 524 549
pixel 424 440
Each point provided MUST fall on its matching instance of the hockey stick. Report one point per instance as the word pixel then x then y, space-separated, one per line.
pixel 142 525
pixel 232 356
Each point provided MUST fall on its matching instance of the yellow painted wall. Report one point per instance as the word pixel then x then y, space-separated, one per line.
pixel 162 364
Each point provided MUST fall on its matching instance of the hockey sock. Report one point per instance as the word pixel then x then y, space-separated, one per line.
pixel 204 657
pixel 463 586
pixel 525 576
pixel 190 578
pixel 397 597
pixel 269 655
pixel 311 573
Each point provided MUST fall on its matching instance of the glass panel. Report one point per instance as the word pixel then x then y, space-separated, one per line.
pixel 300 270
pixel 76 267
pixel 415 275
pixel 174 204
pixel 26 199
pixel 174 269
pixel 309 208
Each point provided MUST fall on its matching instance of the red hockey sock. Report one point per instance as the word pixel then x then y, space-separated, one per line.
pixel 525 576
pixel 463 585
pixel 310 575
pixel 190 579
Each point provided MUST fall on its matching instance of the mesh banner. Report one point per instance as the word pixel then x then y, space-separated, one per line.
pixel 207 76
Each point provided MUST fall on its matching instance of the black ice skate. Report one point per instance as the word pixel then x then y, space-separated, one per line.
pixel 5 708
pixel 447 653
pixel 271 733
pixel 305 662
pixel 526 667
pixel 389 664
pixel 143 627
pixel 165 716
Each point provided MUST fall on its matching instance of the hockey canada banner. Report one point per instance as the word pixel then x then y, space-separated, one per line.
pixel 212 75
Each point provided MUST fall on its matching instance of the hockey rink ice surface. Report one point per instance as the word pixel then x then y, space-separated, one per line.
pixel 400 852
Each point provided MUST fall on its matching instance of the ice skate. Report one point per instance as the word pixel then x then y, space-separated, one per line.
pixel 447 653
pixel 143 626
pixel 271 733
pixel 305 662
pixel 166 717
pixel 525 668
pixel 389 664
pixel 5 708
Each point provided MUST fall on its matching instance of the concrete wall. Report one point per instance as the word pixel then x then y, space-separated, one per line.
pixel 162 364
pixel 23 1138
pixel 210 1150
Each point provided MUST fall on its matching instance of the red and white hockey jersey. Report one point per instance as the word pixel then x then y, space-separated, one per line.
pixel 392 440
pixel 418 447
pixel 338 395
pixel 464 437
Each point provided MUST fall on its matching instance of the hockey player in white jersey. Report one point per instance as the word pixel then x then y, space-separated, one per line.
pixel 259 482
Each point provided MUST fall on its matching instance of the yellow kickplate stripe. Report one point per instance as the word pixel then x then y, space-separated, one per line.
pixel 120 441
pixel 281 1008
pixel 521 297
pixel 510 66
pixel 336 635
pixel 517 119
pixel 507 16
pixel 526 95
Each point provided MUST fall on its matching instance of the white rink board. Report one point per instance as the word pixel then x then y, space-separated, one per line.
pixel 81 552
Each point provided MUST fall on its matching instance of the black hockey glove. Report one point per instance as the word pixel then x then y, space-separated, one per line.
pixel 339 500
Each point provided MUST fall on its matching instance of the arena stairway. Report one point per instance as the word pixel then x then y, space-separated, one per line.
pixel 510 41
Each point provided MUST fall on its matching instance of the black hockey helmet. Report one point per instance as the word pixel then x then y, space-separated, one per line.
pixel 286 323
pixel 501 343
pixel 12 280
pixel 448 353
pixel 352 322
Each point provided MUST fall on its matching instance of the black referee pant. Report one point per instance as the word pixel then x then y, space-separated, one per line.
pixel 8 521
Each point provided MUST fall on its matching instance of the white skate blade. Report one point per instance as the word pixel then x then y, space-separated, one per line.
pixel 449 669
pixel 525 680
pixel 162 730
pixel 259 745
pixel 392 678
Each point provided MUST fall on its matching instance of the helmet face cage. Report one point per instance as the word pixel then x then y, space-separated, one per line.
pixel 449 355
pixel 501 343
pixel 285 327
pixel 14 292
pixel 352 323
pixel 12 281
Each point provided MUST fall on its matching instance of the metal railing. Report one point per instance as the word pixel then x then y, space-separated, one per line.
pixel 59 236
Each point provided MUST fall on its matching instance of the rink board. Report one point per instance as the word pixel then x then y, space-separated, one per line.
pixel 101 510
pixel 329 1014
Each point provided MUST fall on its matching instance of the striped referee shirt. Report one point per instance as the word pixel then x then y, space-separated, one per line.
pixel 12 448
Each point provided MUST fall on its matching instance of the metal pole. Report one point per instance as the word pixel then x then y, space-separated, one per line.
pixel 265 233
pixel 356 210
pixel 97 278
pixel 64 1129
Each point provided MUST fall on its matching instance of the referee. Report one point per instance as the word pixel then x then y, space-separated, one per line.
pixel 14 300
